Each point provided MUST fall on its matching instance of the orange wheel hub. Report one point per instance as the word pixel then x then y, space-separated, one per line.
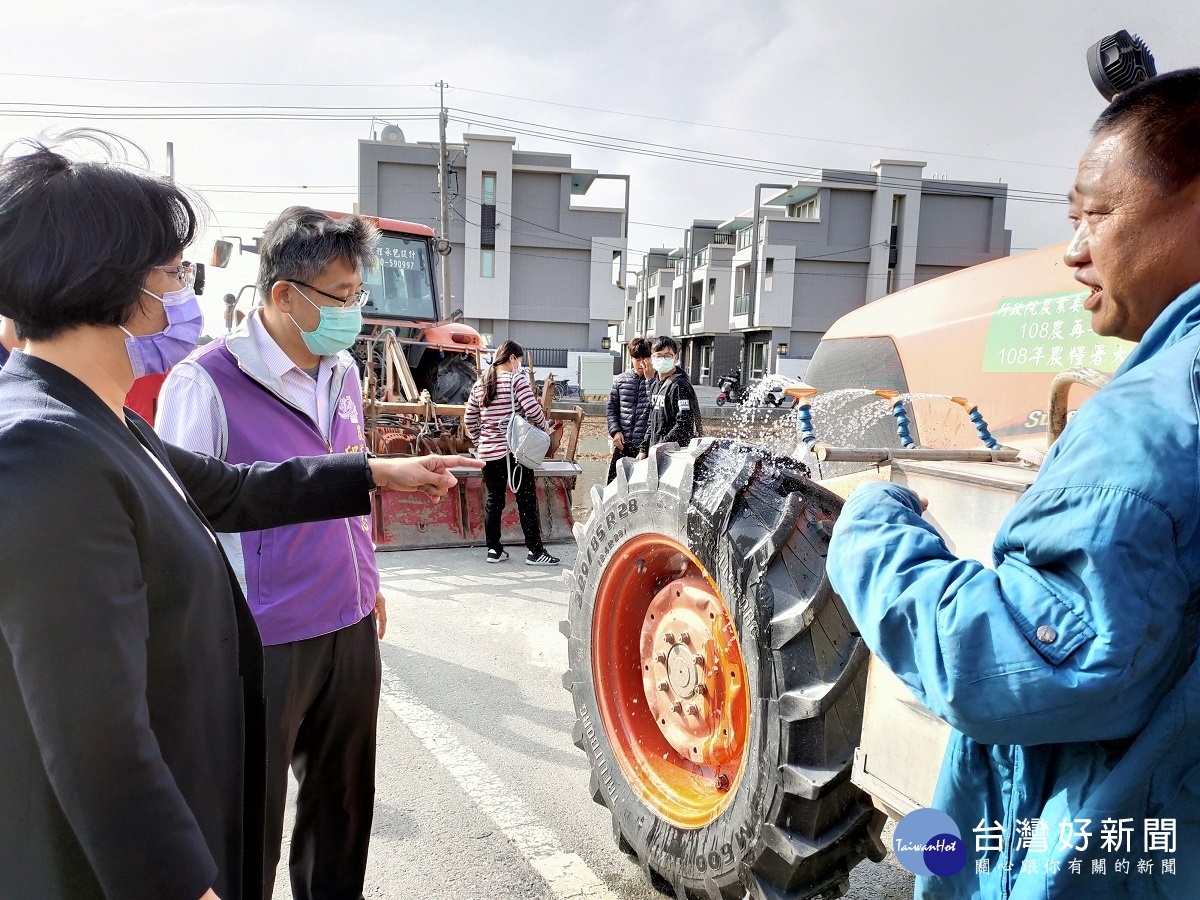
pixel 670 680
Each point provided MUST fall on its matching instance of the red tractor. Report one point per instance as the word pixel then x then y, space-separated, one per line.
pixel 417 372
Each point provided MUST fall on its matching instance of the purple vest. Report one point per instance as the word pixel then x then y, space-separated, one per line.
pixel 306 580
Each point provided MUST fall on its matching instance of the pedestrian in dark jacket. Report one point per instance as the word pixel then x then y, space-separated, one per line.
pixel 674 409
pixel 629 405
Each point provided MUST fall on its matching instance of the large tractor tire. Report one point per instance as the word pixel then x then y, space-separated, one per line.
pixel 718 681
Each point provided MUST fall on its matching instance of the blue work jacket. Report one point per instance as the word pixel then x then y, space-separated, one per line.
pixel 1067 671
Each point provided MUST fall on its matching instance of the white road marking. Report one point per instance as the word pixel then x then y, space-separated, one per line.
pixel 568 876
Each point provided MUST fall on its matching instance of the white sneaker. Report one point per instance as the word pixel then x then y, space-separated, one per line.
pixel 494 557
pixel 542 559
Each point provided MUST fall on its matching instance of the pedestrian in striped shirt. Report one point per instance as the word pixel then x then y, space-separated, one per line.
pixel 489 409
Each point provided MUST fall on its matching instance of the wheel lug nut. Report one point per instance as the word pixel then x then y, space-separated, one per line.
pixel 669 637
pixel 662 685
pixel 722 782
pixel 701 688
pixel 698 659
pixel 693 709
pixel 660 657
pixel 685 638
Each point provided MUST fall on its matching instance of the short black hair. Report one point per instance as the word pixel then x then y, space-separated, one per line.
pixel 639 348
pixel 1161 120
pixel 301 243
pixel 77 239
pixel 666 342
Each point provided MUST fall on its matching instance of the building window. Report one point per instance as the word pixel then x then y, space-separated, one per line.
pixel 712 291
pixel 695 308
pixel 489 187
pixel 894 241
pixel 616 268
pixel 769 273
pixel 806 209
pixel 487 263
pixel 706 361
pixel 758 360
pixel 741 291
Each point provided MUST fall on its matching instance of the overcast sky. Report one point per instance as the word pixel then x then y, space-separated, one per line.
pixel 983 91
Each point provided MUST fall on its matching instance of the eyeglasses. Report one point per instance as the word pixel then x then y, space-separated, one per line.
pixel 186 273
pixel 355 299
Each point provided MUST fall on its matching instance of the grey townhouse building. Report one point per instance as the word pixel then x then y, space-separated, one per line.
pixel 763 286
pixel 531 259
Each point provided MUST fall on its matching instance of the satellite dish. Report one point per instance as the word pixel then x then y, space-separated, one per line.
pixel 392 135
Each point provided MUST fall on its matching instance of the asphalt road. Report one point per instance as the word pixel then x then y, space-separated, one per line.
pixel 481 793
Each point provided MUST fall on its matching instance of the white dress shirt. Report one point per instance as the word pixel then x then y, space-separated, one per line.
pixel 190 412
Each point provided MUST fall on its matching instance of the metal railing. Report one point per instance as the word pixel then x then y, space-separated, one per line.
pixel 546 357
pixel 741 304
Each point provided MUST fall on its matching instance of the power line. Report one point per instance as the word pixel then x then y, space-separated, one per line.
pixel 601 141
pixel 798 137
pixel 701 157
pixel 122 107
pixel 308 84
pixel 613 112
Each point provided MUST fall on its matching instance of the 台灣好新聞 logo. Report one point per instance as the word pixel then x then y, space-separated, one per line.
pixel 928 842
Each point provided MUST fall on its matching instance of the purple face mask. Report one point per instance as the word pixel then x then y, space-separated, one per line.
pixel 154 354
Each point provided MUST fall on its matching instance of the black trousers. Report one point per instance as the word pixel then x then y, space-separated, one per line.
pixel 322 707
pixel 617 456
pixel 495 476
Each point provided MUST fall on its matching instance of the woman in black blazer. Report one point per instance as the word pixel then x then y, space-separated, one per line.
pixel 131 712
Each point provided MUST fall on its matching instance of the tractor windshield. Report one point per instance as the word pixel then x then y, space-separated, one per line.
pixel 401 285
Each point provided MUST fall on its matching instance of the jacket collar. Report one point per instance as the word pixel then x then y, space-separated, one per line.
pixel 1173 324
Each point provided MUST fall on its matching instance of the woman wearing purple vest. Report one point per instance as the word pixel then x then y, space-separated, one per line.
pixel 131 708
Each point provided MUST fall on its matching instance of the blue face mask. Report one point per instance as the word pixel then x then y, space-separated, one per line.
pixel 663 366
pixel 337 329
pixel 154 354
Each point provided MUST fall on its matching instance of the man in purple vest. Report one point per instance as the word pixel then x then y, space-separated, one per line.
pixel 279 386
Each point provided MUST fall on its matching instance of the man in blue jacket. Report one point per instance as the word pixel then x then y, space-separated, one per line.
pixel 629 405
pixel 1068 672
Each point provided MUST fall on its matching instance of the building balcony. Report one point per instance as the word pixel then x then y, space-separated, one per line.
pixel 741 304
pixel 695 314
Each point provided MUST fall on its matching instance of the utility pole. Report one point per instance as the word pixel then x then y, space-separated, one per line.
pixel 444 196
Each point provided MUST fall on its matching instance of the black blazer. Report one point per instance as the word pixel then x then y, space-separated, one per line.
pixel 132 753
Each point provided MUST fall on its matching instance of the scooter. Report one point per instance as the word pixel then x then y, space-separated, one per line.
pixel 777 396
pixel 732 389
